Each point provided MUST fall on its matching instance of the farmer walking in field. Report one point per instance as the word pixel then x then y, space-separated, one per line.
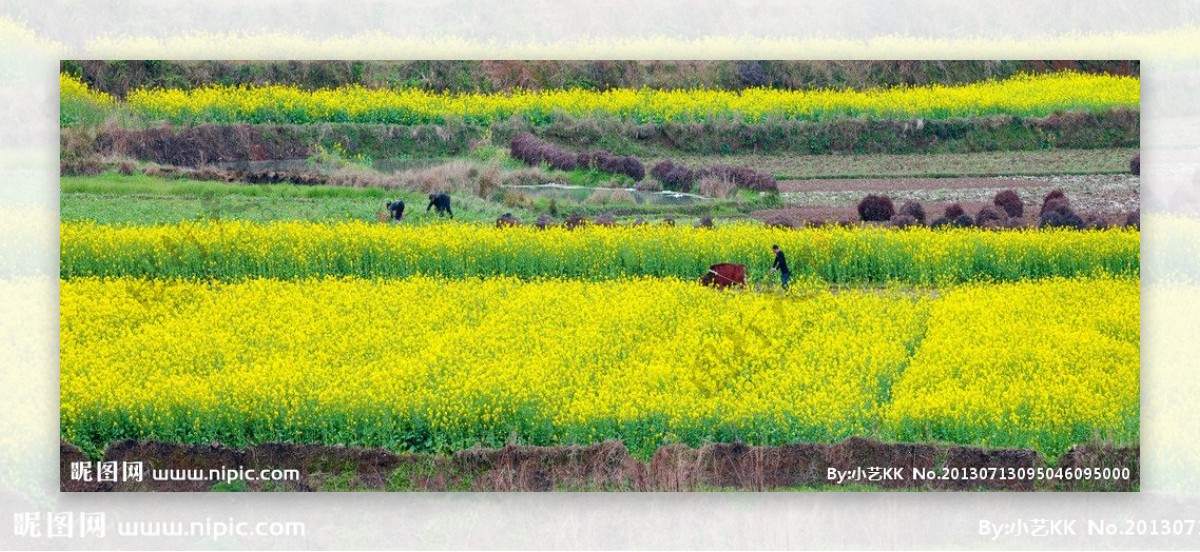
pixel 781 265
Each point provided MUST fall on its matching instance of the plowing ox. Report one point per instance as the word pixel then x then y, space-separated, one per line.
pixel 724 275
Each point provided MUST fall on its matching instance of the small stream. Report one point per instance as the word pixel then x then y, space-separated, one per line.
pixel 581 193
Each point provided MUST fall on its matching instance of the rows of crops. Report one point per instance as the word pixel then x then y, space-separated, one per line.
pixel 235 250
pixel 439 365
pixel 445 336
pixel 1045 366
pixel 1023 95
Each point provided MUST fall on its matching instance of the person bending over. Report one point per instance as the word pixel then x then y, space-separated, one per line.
pixel 441 202
pixel 396 210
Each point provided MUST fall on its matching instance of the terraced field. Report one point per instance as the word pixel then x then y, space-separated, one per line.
pixel 965 272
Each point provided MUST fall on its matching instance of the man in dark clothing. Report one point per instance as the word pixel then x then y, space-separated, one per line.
pixel 442 202
pixel 781 265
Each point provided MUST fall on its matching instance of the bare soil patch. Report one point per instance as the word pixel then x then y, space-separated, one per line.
pixel 895 184
pixel 1104 198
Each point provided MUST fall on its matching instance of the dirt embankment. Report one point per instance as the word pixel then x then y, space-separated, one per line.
pixel 202 144
pixel 205 144
pixel 213 144
pixel 607 466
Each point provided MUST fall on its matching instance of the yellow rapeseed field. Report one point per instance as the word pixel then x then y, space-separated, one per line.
pixel 1041 366
pixel 71 88
pixel 1028 95
pixel 442 364
pixel 79 104
pixel 239 249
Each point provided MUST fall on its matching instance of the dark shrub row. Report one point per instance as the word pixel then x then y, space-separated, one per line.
pixel 963 221
pixel 1062 217
pixel 914 210
pixel 1056 212
pixel 616 164
pixel 534 151
pixel 680 178
pixel 1134 219
pixel 990 217
pixel 674 177
pixel 741 177
pixel 1053 201
pixel 876 208
pixel 530 150
pixel 572 222
pixel 1010 202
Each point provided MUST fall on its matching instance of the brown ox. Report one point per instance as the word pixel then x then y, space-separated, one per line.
pixel 724 275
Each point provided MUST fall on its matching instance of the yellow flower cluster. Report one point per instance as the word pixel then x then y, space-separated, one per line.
pixel 1028 95
pixel 80 104
pixel 1046 366
pixel 437 365
pixel 71 88
pixel 239 249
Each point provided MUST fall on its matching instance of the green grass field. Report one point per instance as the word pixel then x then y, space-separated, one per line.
pixel 136 199
pixel 112 198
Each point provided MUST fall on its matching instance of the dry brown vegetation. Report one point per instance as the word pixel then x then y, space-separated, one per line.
pixel 716 186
